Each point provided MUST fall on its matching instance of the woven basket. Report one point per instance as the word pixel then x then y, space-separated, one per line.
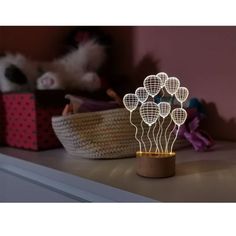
pixel 100 135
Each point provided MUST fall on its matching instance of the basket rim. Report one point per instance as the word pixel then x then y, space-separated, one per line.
pixel 85 114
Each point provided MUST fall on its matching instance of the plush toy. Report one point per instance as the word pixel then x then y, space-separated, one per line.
pixel 17 73
pixel 77 70
pixel 191 130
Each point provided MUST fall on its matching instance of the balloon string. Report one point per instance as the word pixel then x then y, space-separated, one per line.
pixel 153 133
pixel 142 136
pixel 170 136
pixel 161 135
pixel 149 138
pixel 136 131
pixel 157 145
pixel 166 135
pixel 174 139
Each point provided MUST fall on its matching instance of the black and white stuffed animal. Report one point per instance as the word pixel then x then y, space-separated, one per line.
pixel 17 73
pixel 76 70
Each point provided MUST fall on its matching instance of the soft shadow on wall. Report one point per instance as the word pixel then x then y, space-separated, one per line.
pixel 218 126
pixel 125 74
pixel 202 57
pixel 129 62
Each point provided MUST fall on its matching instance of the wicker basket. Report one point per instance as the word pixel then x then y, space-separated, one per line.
pixel 100 135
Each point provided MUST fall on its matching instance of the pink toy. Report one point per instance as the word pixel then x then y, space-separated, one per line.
pixel 200 140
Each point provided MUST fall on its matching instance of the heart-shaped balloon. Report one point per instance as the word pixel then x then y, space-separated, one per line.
pixel 130 101
pixel 182 94
pixel 142 94
pixel 149 112
pixel 164 108
pixel 172 84
pixel 179 116
pixel 152 84
pixel 163 76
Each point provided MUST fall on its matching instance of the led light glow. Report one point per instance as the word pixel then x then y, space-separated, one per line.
pixel 171 85
pixel 152 84
pixel 130 102
pixel 141 94
pixel 154 115
pixel 163 76
pixel 182 95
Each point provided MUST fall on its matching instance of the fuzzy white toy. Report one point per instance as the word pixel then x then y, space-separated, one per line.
pixel 17 73
pixel 75 70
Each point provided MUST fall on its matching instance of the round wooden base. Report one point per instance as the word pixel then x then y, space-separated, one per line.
pixel 155 165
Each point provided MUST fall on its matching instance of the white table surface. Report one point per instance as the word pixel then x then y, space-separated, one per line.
pixel 200 176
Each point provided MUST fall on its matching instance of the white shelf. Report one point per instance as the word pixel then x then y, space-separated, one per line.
pixel 200 176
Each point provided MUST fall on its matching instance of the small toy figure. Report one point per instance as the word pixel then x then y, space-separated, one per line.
pixel 200 140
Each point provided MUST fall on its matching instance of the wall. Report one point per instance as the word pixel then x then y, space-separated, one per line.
pixel 204 58
pixel 40 43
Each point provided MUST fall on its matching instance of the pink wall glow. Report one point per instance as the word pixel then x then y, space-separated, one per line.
pixel 204 59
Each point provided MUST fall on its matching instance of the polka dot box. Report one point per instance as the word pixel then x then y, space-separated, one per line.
pixel 26 119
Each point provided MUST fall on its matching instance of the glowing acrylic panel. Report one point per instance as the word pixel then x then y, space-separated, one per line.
pixel 162 118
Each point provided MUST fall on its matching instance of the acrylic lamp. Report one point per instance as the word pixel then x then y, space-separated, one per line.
pixel 160 123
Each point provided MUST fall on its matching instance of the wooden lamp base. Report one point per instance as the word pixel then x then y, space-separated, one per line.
pixel 155 165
